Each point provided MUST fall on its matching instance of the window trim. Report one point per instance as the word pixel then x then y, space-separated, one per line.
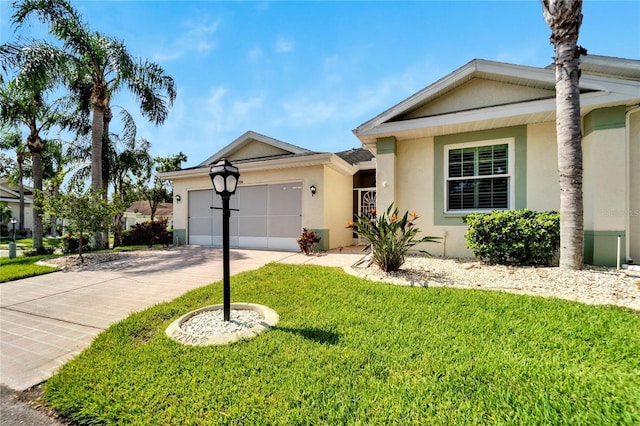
pixel 510 142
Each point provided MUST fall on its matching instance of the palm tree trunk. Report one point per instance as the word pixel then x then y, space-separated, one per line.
pixel 568 127
pixel 564 18
pixel 97 130
pixel 38 230
pixel 21 192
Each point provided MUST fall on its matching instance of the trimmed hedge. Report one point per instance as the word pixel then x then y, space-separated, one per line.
pixel 148 233
pixel 514 237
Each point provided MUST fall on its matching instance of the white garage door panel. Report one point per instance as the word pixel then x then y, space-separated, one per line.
pixel 269 216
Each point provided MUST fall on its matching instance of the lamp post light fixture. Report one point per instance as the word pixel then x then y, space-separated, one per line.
pixel 224 177
pixel 13 226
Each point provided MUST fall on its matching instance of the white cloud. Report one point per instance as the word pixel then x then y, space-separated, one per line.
pixel 284 45
pixel 198 37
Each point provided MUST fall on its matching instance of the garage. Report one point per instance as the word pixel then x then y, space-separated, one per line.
pixel 262 217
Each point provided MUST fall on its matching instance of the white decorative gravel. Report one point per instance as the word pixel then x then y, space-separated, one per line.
pixel 211 323
pixel 592 285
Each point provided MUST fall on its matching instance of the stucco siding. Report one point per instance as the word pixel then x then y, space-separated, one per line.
pixel 337 194
pixel 543 187
pixel 604 180
pixel 633 210
pixel 415 193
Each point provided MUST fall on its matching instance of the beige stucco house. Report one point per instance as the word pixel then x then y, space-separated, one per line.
pixel 283 188
pixel 140 212
pixel 484 138
pixel 10 196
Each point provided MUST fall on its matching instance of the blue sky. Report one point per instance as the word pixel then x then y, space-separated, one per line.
pixel 308 73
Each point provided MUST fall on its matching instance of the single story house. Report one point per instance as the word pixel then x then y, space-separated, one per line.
pixel 140 212
pixel 484 138
pixel 10 196
pixel 282 189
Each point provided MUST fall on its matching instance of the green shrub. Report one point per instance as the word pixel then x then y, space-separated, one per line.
pixel 42 251
pixel 148 233
pixel 514 237
pixel 70 244
pixel 390 236
pixel 307 240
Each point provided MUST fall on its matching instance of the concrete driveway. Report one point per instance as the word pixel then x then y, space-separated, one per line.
pixel 47 320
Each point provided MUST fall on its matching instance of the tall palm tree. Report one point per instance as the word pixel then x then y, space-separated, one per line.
pixel 12 141
pixel 106 66
pixel 564 18
pixel 23 102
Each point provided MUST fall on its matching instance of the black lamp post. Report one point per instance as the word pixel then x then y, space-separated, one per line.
pixel 224 177
pixel 13 226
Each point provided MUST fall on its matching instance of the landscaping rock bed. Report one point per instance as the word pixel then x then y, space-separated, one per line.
pixel 72 262
pixel 592 285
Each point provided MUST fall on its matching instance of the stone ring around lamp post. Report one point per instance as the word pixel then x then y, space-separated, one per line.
pixel 264 319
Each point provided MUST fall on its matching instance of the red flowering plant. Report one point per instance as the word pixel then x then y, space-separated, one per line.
pixel 390 236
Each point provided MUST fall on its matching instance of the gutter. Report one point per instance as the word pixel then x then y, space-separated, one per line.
pixel 327 159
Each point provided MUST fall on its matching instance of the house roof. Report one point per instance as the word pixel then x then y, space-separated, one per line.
pixel 241 147
pixel 467 99
pixel 255 152
pixel 356 156
pixel 143 208
pixel 11 193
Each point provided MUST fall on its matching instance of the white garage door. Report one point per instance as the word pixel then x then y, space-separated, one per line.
pixel 269 217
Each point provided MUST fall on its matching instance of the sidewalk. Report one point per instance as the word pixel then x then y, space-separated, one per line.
pixel 45 321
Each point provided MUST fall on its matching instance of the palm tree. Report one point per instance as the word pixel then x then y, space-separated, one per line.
pixel 23 102
pixel 12 141
pixel 564 18
pixel 105 65
pixel 129 162
pixel 57 163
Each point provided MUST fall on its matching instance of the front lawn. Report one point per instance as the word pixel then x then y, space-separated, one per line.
pixel 348 351
pixel 27 243
pixel 22 267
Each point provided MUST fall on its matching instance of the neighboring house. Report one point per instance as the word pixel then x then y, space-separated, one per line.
pixel 483 138
pixel 10 195
pixel 140 211
pixel 282 189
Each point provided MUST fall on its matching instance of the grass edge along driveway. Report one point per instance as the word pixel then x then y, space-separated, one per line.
pixel 349 351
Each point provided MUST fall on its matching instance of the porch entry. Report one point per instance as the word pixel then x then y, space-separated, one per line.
pixel 268 217
pixel 364 204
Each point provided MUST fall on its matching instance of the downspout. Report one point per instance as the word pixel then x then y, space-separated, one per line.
pixel 627 210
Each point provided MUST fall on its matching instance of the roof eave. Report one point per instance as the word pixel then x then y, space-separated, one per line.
pixel 323 159
pixel 484 118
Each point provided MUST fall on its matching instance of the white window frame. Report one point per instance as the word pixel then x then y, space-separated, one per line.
pixel 510 142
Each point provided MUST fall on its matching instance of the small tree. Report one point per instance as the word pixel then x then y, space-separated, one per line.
pixel 390 236
pixel 86 210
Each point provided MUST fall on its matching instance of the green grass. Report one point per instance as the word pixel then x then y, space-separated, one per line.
pixel 22 267
pixel 348 351
pixel 27 243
